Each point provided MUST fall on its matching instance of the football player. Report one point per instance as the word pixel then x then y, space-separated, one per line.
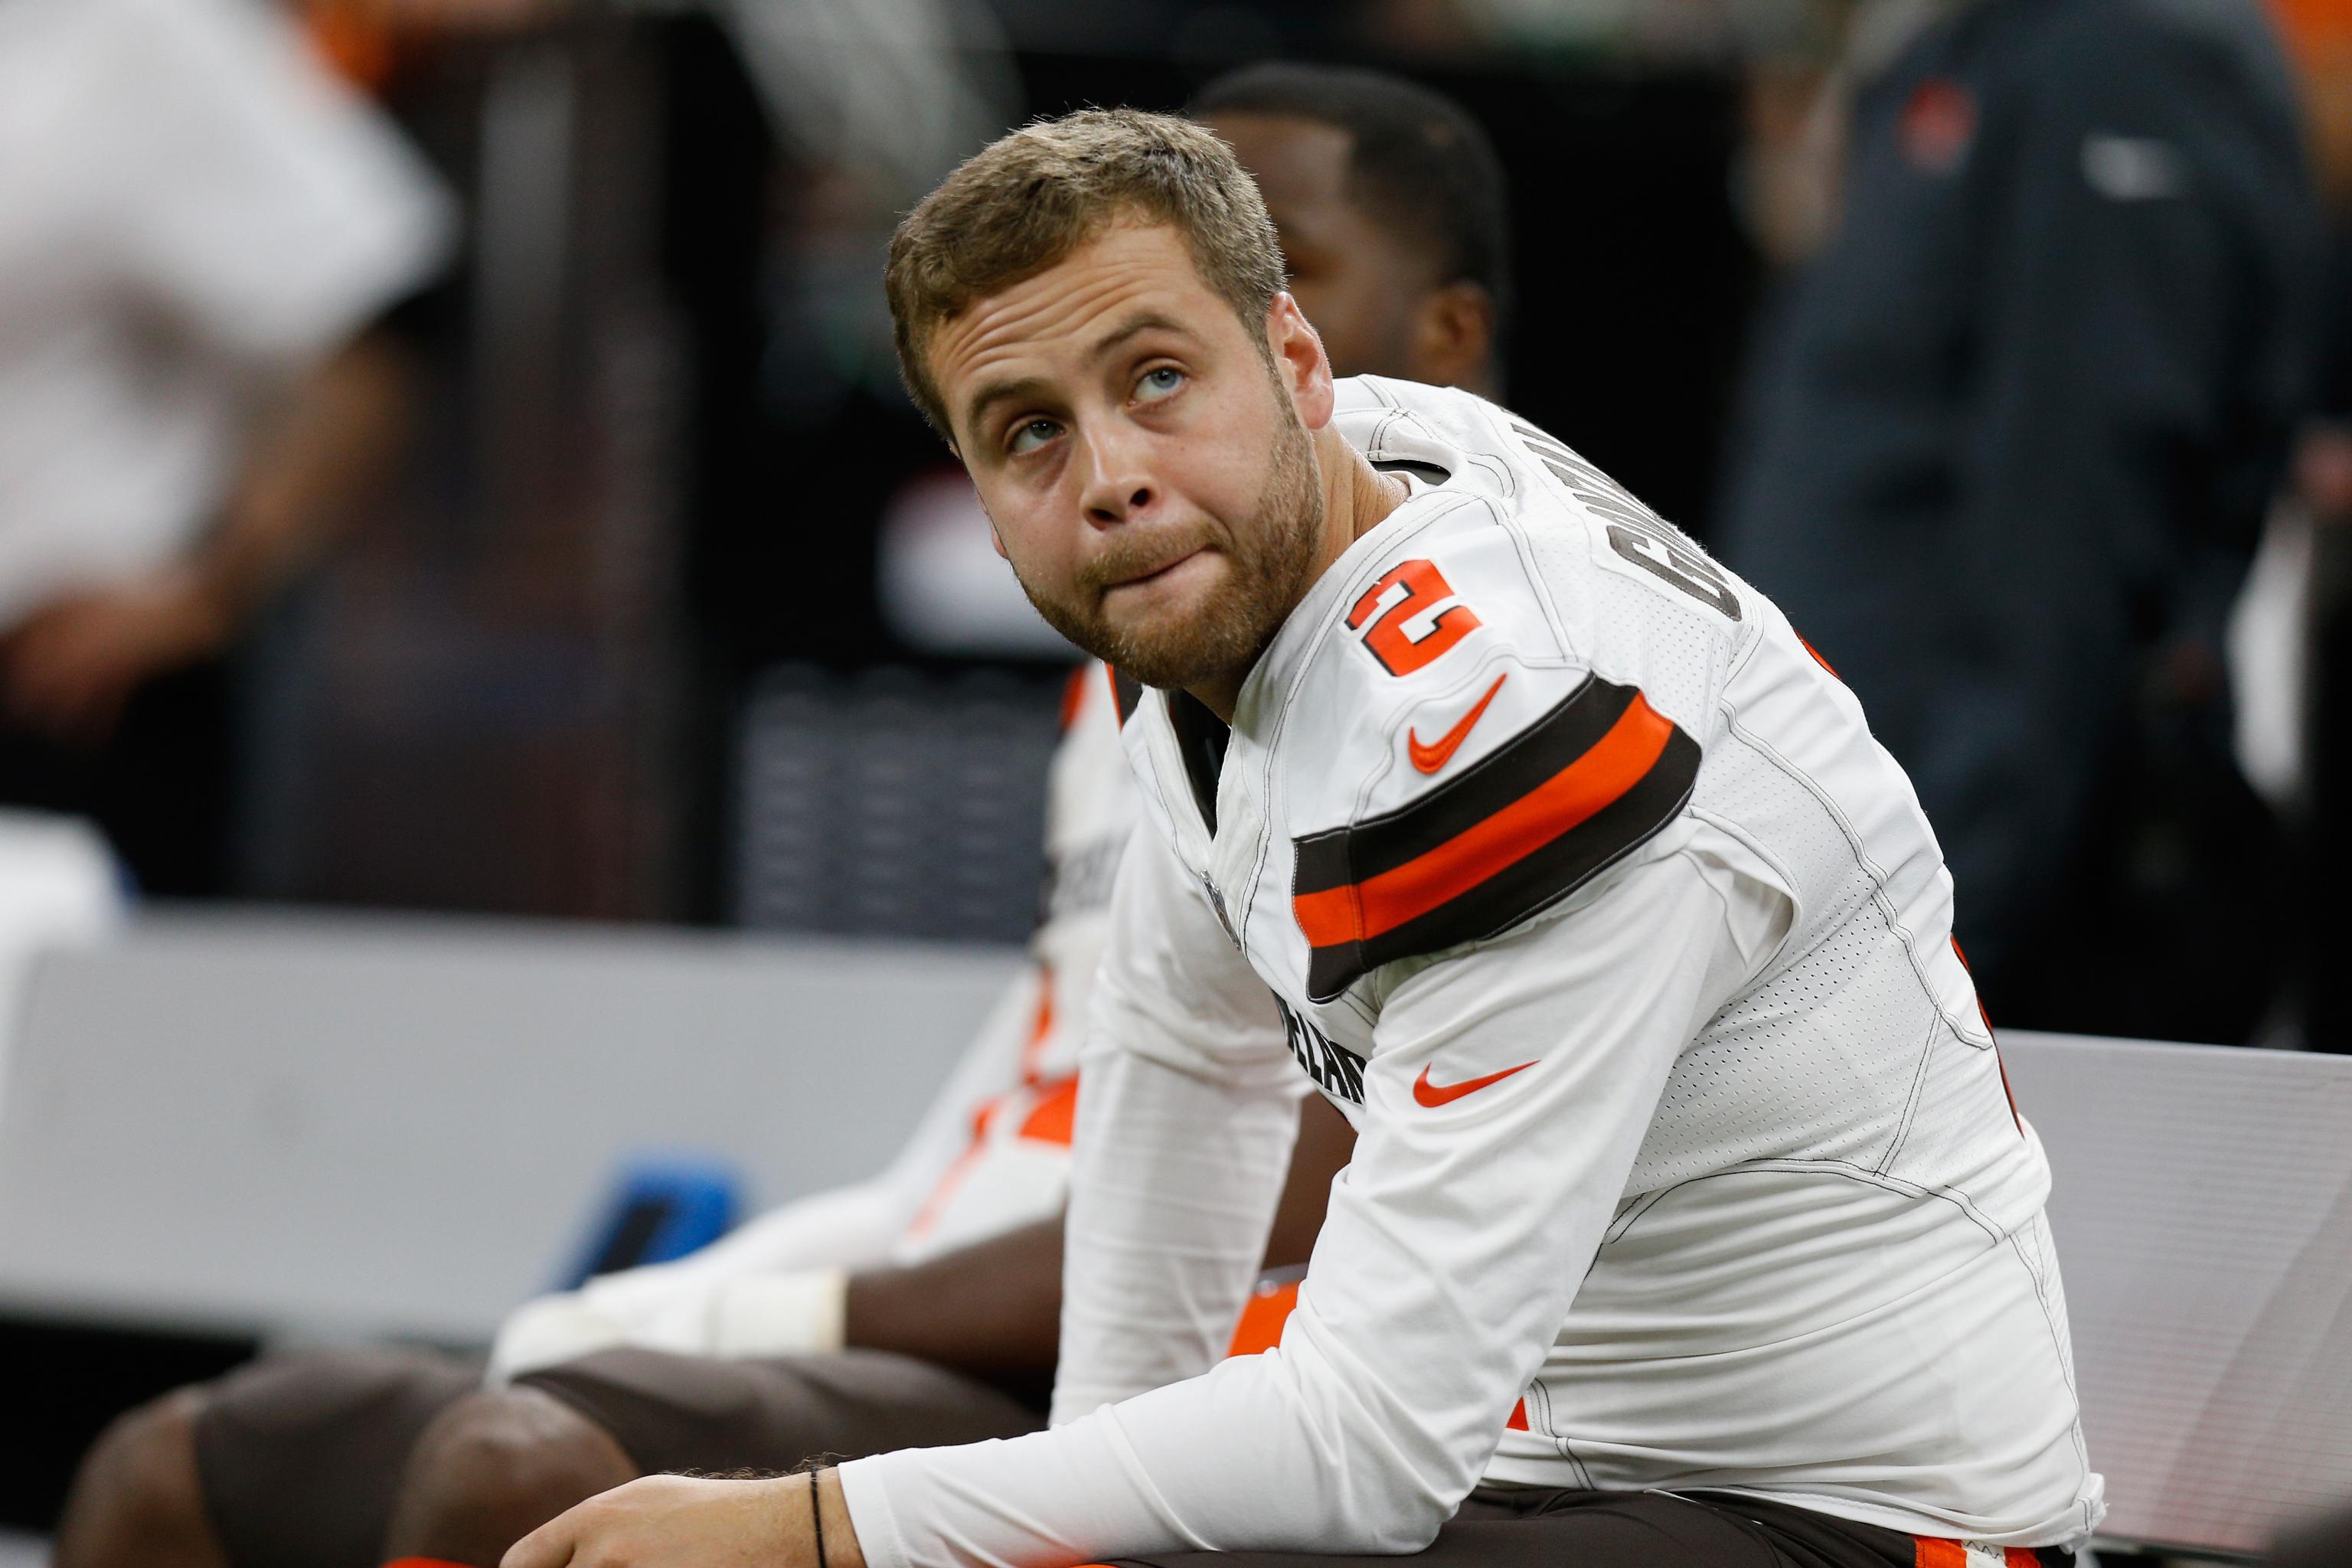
pixel 1689 1220
pixel 940 1279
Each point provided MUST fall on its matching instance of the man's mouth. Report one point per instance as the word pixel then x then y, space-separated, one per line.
pixel 1146 575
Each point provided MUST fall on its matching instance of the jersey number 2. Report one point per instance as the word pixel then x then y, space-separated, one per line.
pixel 1423 586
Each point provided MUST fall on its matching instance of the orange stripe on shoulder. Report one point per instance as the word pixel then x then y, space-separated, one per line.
pixel 1527 824
pixel 1567 799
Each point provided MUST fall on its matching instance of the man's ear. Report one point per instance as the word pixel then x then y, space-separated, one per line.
pixel 1299 362
pixel 1454 337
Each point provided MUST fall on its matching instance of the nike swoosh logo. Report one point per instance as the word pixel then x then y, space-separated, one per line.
pixel 1429 759
pixel 1434 1095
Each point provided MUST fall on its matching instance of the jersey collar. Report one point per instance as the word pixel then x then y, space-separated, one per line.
pixel 1265 689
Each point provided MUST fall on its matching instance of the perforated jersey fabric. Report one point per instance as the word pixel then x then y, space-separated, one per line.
pixel 1685 1158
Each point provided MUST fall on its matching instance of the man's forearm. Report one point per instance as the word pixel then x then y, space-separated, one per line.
pixel 315 458
pixel 993 1308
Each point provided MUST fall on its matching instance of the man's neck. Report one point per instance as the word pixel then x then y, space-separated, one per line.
pixel 1356 497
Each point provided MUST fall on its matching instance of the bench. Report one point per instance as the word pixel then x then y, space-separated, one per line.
pixel 349 1125
pixel 2202 1205
pixel 331 1126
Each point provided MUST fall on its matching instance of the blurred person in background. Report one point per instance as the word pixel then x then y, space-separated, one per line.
pixel 1391 212
pixel 2009 445
pixel 921 1307
pixel 197 227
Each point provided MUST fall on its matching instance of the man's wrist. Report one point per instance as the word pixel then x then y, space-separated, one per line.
pixel 840 1532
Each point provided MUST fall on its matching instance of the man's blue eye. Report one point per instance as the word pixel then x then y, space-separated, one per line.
pixel 1157 383
pixel 1033 435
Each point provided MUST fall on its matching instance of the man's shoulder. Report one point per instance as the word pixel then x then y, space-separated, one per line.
pixel 1449 760
pixel 1519 583
pixel 1386 419
pixel 1483 466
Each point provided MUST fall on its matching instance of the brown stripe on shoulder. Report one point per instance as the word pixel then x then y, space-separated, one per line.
pixel 1569 796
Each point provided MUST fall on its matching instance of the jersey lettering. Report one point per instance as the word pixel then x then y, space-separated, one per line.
pixel 1335 1069
pixel 1424 587
pixel 1635 533
pixel 1671 566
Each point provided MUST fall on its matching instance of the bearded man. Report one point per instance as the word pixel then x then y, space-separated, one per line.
pixel 1689 1221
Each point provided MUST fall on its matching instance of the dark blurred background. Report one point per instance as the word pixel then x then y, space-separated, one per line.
pixel 654 599
pixel 619 646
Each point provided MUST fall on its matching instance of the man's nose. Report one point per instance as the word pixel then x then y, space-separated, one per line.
pixel 1118 485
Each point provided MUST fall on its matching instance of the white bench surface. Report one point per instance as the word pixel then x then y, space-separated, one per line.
pixel 339 1125
pixel 2202 1205
pixel 348 1125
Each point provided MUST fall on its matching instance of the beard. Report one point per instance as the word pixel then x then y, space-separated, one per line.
pixel 1270 564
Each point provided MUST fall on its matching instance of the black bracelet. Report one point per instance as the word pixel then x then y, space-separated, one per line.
pixel 816 1518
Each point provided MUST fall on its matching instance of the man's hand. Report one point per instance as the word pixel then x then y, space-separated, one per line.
pixel 67 669
pixel 680 1522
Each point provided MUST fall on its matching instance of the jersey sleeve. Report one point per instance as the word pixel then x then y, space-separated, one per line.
pixel 1508 770
pixel 856 1227
pixel 1508 1093
pixel 676 1305
pixel 1184 1129
pixel 681 1306
pixel 1582 786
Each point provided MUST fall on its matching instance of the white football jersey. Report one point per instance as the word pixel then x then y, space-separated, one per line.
pixel 1685 1158
pixel 1012 1163
pixel 992 1153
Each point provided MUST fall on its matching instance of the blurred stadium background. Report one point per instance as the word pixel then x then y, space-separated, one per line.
pixel 647 599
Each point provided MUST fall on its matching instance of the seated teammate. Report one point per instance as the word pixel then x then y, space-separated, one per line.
pixel 1391 205
pixel 1689 1221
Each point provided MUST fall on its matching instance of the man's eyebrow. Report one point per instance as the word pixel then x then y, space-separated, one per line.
pixel 991 394
pixel 1144 322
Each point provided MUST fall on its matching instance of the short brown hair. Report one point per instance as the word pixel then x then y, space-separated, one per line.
pixel 1027 200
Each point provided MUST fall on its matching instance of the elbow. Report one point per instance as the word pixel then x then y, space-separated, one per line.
pixel 1378 1504
pixel 1402 1527
pixel 1359 1469
pixel 1418 1522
